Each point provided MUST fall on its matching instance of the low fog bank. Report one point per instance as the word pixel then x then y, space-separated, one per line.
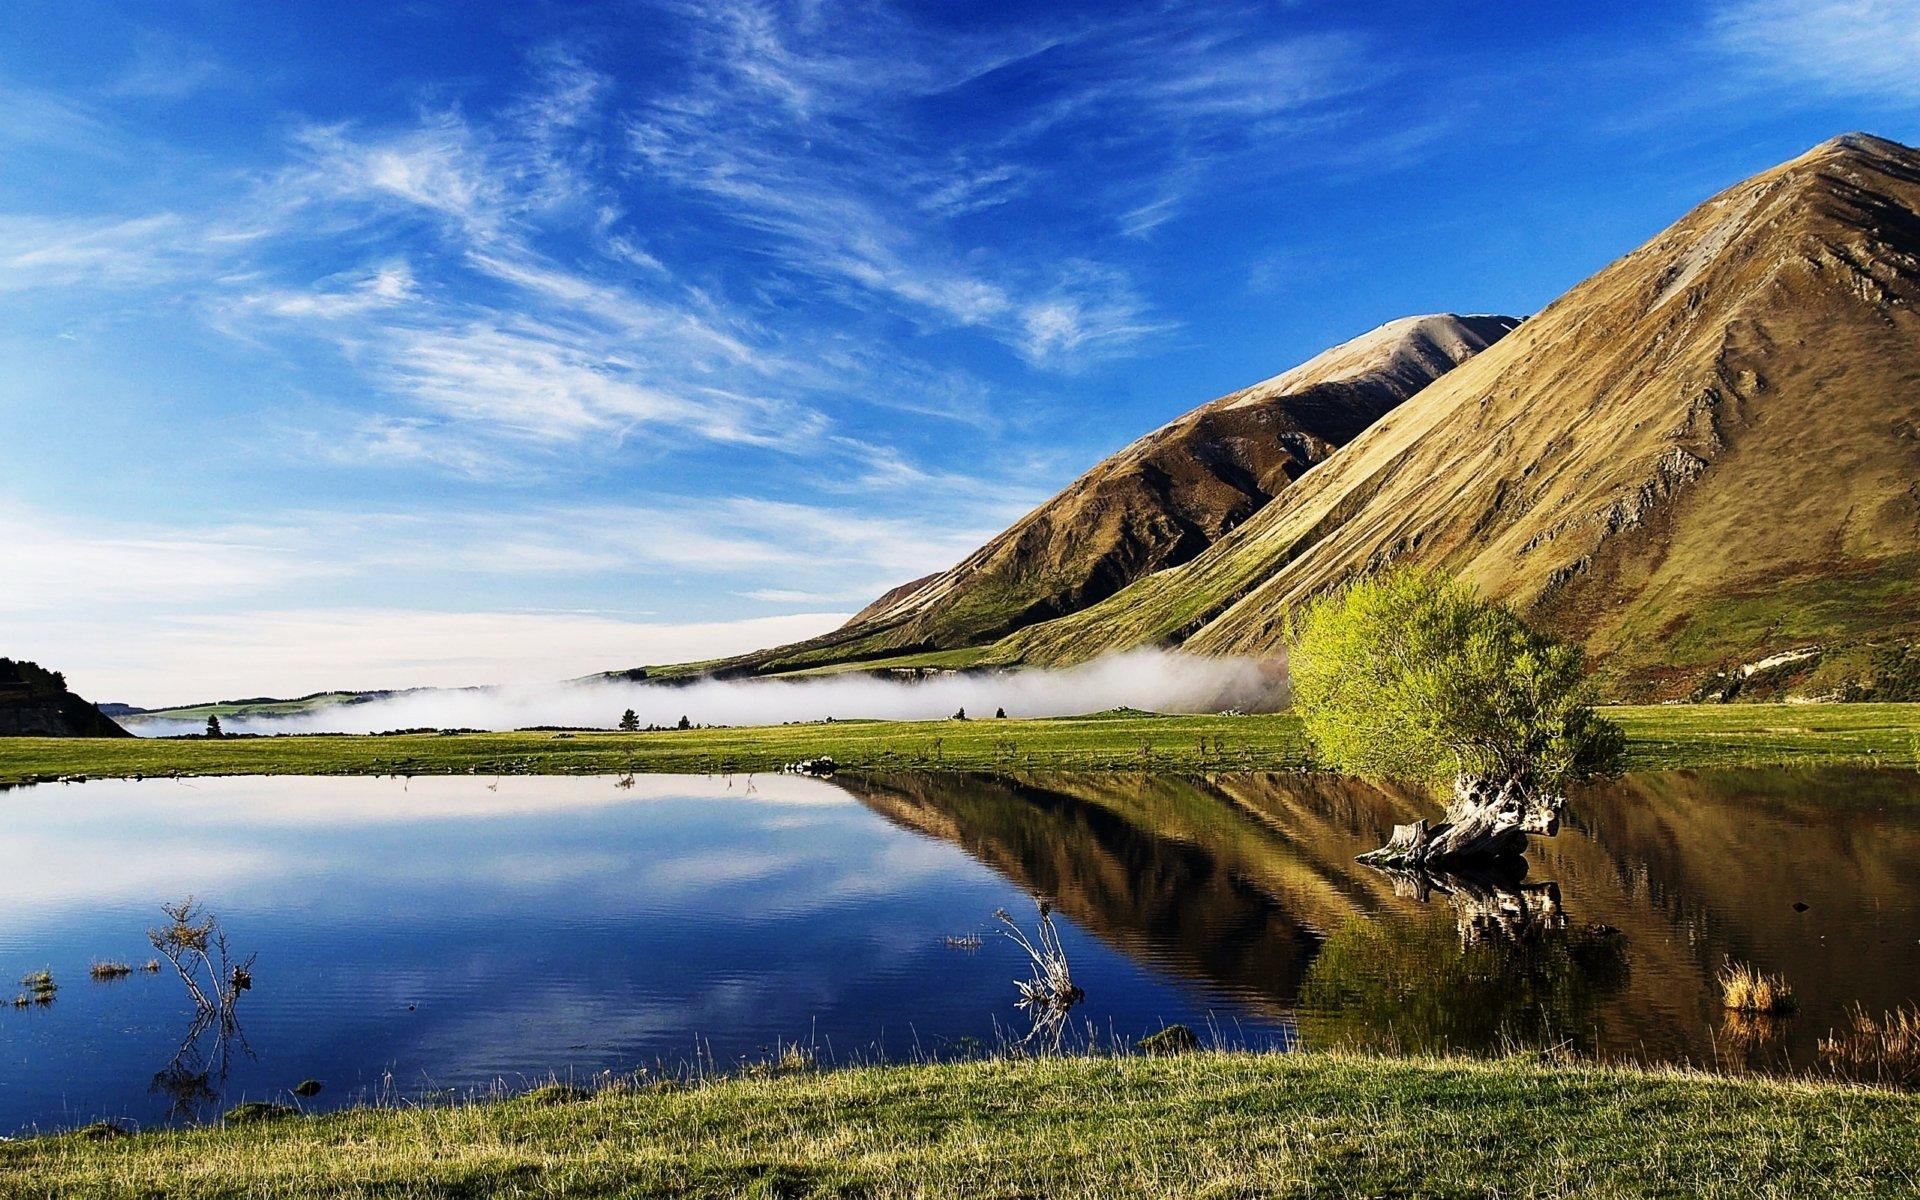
pixel 1155 680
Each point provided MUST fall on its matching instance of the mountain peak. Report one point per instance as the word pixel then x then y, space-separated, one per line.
pixel 1860 144
pixel 1158 502
pixel 1702 455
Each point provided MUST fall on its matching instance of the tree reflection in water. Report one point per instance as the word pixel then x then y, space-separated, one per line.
pixel 1509 972
pixel 193 1077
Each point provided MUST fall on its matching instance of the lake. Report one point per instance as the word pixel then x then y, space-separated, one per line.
pixel 434 936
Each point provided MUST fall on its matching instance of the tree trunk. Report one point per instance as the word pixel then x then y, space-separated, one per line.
pixel 1486 821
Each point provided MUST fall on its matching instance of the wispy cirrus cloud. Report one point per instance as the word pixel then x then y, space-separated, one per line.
pixel 1853 47
pixel 843 139
pixel 506 309
pixel 50 563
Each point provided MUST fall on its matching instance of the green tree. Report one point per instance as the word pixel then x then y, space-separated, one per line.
pixel 629 721
pixel 685 724
pixel 1410 675
pixel 213 726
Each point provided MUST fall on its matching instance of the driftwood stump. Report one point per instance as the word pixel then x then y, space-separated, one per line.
pixel 1485 821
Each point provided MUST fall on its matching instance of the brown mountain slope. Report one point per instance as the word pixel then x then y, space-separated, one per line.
pixel 1158 502
pixel 1706 454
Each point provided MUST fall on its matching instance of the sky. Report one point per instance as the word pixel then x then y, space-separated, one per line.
pixel 370 345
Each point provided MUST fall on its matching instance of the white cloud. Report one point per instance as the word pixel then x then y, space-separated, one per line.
pixel 46 564
pixel 353 294
pixel 177 659
pixel 775 132
pixel 52 565
pixel 61 252
pixel 1855 47
pixel 37 118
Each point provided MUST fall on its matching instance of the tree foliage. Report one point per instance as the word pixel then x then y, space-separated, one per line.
pixel 1410 675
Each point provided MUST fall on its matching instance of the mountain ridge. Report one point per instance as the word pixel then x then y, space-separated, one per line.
pixel 1647 454
pixel 1158 502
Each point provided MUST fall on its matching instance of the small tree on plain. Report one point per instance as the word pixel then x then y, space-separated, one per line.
pixel 629 721
pixel 685 724
pixel 213 725
pixel 1000 714
pixel 961 715
pixel 1409 675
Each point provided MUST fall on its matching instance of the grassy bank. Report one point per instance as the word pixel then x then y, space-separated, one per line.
pixel 1197 1125
pixel 1659 738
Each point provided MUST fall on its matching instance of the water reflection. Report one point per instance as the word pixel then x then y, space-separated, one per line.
pixel 502 930
pixel 1609 944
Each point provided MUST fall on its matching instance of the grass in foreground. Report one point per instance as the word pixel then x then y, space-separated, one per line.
pixel 1664 737
pixel 1192 1125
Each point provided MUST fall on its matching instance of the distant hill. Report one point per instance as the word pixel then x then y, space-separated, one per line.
pixel 1160 502
pixel 251 706
pixel 1704 459
pixel 35 702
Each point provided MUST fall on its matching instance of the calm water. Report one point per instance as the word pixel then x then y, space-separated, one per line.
pixel 451 934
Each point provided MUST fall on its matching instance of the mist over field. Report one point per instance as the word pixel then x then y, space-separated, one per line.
pixel 1155 680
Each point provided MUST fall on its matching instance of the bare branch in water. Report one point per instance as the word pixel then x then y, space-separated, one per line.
pixel 1051 993
pixel 194 943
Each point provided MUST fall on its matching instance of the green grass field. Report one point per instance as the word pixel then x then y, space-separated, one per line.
pixel 1222 1125
pixel 1659 738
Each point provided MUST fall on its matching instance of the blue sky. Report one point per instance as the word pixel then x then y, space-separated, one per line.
pixel 379 344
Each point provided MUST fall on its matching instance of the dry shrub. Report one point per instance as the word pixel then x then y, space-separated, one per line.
pixel 1887 1046
pixel 1745 988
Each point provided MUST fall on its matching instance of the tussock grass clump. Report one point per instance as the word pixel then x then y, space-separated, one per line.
pixel 557 1093
pixel 1887 1047
pixel 1174 1039
pixel 791 1059
pixel 41 989
pixel 107 969
pixel 1747 989
pixel 256 1112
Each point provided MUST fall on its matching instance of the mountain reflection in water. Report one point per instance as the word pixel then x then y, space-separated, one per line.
pixel 429 935
pixel 1609 945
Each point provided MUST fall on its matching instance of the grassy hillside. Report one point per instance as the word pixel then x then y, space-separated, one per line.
pixel 1659 737
pixel 261 707
pixel 1195 1125
pixel 1701 457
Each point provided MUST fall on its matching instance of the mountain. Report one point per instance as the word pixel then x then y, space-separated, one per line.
pixel 1157 503
pixel 35 702
pixel 1703 459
